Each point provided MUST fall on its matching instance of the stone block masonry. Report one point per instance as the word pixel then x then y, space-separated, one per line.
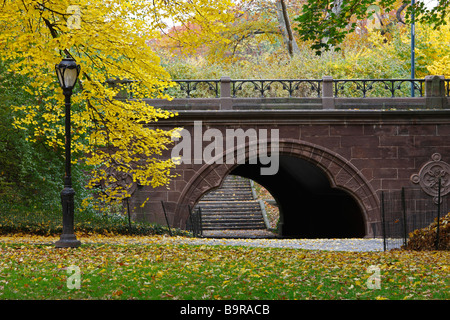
pixel 333 149
pixel 361 153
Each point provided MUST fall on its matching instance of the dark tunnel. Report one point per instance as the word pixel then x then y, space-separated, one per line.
pixel 309 206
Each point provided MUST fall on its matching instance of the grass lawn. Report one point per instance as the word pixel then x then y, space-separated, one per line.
pixel 114 268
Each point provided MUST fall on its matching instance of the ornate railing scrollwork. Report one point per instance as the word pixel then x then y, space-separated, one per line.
pixel 303 87
pixel 362 87
pixel 189 86
pixel 447 87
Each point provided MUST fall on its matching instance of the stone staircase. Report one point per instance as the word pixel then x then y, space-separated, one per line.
pixel 232 206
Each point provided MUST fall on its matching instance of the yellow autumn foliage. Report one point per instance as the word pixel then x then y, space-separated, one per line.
pixel 440 55
pixel 111 41
pixel 432 49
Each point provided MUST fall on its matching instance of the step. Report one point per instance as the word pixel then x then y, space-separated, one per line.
pixel 232 206
pixel 227 205
pixel 232 197
pixel 233 226
pixel 215 217
pixel 226 224
pixel 229 214
pixel 252 213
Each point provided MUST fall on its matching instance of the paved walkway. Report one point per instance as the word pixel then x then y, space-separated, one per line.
pixel 256 241
pixel 265 238
pixel 250 234
pixel 309 244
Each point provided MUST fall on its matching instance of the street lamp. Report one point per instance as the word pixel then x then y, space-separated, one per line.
pixel 413 44
pixel 67 71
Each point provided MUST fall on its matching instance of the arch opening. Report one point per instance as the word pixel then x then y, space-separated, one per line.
pixel 340 200
pixel 310 207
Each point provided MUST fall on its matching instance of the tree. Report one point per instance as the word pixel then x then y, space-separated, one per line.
pixel 438 51
pixel 286 29
pixel 332 20
pixel 255 25
pixel 109 40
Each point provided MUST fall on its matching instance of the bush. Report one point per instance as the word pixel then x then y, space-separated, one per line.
pixel 30 173
pixel 29 220
pixel 425 239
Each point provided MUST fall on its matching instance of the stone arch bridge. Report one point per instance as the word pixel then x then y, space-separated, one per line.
pixel 340 143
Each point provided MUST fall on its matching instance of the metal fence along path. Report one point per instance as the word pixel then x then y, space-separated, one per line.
pixel 406 210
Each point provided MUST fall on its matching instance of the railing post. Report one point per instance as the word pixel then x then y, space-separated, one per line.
pixel 226 102
pixel 435 97
pixel 327 93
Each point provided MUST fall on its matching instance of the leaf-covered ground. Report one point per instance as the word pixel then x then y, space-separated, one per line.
pixel 125 268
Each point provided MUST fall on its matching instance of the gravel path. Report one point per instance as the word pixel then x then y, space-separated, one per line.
pixel 264 238
pixel 310 244
pixel 253 239
pixel 248 234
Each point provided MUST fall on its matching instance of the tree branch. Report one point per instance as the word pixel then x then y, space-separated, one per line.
pixel 399 12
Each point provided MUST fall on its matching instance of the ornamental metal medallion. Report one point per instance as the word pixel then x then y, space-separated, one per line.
pixel 430 174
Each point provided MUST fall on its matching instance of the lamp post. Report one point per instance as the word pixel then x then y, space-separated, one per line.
pixel 413 44
pixel 67 71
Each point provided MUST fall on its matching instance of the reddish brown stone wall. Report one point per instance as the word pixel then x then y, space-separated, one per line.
pixel 360 152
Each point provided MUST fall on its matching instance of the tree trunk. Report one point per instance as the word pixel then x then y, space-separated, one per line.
pixel 286 30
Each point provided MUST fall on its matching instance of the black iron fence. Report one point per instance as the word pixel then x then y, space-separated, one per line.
pixel 313 88
pixel 431 92
pixel 406 210
pixel 194 222
pixel 378 87
pixel 279 87
pixel 193 88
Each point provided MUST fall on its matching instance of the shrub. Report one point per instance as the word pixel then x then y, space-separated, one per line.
pixel 15 219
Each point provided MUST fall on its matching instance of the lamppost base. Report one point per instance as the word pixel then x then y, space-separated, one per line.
pixel 68 241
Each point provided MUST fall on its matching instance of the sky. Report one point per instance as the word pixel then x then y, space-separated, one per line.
pixel 430 3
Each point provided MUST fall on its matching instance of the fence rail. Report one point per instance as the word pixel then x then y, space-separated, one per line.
pixel 312 88
pixel 194 222
pixel 406 210
pixel 300 87
pixel 188 87
pixel 432 92
pixel 388 87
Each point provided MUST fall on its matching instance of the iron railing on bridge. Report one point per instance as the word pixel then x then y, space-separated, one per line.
pixel 313 88
pixel 280 87
pixel 363 88
pixel 432 92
